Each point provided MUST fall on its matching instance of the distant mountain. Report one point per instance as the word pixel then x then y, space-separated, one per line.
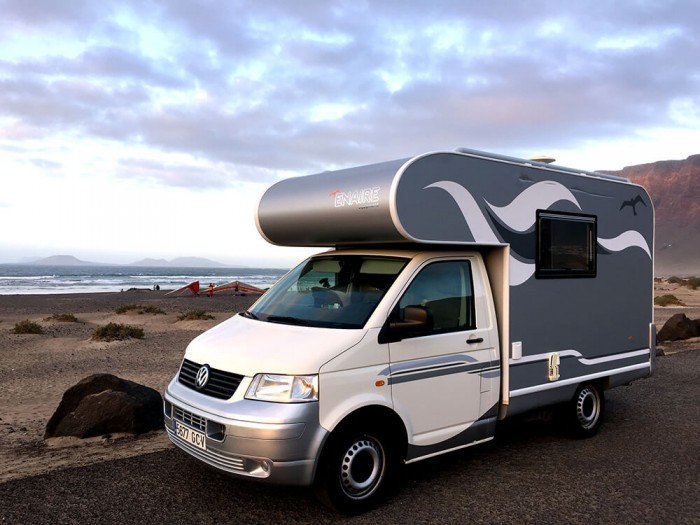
pixel 63 260
pixel 181 262
pixel 674 187
pixel 151 262
pixel 197 262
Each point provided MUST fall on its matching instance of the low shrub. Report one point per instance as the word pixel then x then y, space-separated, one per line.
pixel 27 327
pixel 63 318
pixel 116 332
pixel 194 315
pixel 668 300
pixel 139 309
pixel 690 282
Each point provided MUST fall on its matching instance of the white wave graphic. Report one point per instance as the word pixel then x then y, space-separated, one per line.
pixel 477 223
pixel 480 228
pixel 519 272
pixel 628 239
pixel 520 214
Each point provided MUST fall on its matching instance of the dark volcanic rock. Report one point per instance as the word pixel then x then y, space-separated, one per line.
pixel 102 404
pixel 677 328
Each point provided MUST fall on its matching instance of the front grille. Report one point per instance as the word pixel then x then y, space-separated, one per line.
pixel 221 385
pixel 189 419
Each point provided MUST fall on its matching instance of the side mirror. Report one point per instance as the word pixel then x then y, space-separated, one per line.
pixel 417 320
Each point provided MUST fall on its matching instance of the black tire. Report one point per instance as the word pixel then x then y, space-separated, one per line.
pixel 585 411
pixel 357 470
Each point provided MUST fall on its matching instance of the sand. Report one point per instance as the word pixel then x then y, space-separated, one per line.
pixel 35 370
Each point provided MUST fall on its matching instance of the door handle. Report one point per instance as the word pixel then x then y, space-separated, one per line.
pixel 474 341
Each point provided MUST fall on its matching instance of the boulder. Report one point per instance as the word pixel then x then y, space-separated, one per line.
pixel 677 328
pixel 104 404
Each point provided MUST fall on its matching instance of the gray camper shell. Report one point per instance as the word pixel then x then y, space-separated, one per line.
pixel 568 253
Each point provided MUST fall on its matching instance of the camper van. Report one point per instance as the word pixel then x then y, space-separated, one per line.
pixel 455 289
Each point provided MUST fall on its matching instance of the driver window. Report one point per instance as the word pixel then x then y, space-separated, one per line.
pixel 445 290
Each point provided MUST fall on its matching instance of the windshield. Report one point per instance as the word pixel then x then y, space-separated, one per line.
pixel 337 291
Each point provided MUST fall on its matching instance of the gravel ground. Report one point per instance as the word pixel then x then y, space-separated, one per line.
pixel 643 467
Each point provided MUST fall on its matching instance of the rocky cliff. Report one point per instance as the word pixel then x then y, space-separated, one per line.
pixel 674 186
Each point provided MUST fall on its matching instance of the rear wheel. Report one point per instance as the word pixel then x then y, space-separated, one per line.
pixel 585 410
pixel 356 470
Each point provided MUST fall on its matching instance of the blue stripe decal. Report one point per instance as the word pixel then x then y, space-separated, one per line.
pixel 417 374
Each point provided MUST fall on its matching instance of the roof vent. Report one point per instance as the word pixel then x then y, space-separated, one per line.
pixel 545 159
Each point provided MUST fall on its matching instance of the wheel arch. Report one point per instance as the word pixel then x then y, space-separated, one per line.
pixel 370 416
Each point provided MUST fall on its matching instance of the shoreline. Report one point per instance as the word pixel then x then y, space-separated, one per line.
pixel 10 304
pixel 49 280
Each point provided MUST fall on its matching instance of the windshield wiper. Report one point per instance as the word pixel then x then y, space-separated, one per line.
pixel 283 319
pixel 249 315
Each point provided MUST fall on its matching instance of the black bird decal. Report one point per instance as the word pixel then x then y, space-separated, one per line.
pixel 633 202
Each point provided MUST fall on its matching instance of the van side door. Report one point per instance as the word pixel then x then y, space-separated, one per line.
pixel 445 365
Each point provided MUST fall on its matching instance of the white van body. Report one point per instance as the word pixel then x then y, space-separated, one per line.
pixel 462 288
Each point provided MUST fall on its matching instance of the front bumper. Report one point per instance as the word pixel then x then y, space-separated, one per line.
pixel 272 442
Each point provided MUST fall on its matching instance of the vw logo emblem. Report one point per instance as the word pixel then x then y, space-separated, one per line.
pixel 202 377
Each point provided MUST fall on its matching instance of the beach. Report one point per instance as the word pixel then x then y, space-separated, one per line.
pixel 38 368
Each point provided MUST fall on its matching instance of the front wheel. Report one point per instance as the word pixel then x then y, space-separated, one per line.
pixel 356 471
pixel 585 410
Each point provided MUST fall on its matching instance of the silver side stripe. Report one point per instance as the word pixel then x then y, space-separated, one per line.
pixel 578 379
pixel 581 359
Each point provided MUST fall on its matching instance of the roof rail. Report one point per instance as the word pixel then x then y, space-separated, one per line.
pixel 541 162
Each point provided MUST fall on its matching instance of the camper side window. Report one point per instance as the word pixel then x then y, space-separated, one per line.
pixel 445 291
pixel 566 245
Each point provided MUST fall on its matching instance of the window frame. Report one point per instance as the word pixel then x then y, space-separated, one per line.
pixel 542 272
pixel 471 301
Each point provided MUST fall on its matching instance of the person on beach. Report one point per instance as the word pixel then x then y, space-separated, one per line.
pixel 211 289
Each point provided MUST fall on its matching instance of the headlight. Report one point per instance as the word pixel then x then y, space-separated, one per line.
pixel 283 389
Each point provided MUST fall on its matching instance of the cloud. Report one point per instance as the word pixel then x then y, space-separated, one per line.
pixel 181 174
pixel 47 165
pixel 36 14
pixel 258 88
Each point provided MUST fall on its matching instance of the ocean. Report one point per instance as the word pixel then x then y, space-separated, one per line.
pixel 34 279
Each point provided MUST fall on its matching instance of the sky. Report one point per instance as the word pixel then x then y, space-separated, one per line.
pixel 139 128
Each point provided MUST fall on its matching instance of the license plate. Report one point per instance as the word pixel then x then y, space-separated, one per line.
pixel 193 437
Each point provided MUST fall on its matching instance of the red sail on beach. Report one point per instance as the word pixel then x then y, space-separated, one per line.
pixel 238 286
pixel 192 287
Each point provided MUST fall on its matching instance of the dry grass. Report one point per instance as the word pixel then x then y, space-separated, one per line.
pixel 139 309
pixel 63 318
pixel 194 315
pixel 668 300
pixel 27 327
pixel 117 332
